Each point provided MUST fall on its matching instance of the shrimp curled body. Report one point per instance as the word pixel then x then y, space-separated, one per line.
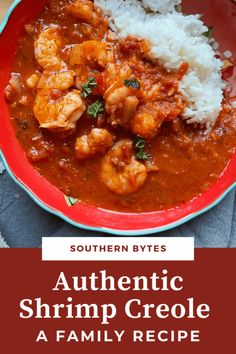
pixel 97 142
pixel 121 172
pixel 61 115
pixel 91 52
pixel 46 49
pixel 53 109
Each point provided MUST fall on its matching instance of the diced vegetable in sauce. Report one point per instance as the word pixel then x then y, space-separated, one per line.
pixel 104 124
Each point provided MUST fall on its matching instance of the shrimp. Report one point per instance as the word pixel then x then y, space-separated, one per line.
pixel 121 172
pixel 63 113
pixel 52 110
pixel 97 142
pixel 82 10
pixel 130 107
pixel 14 87
pixel 150 117
pixel 123 101
pixel 91 52
pixel 115 74
pixel 120 101
pixel 46 49
pixel 146 123
pixel 116 98
pixel 56 80
pixel 60 115
pixel 33 80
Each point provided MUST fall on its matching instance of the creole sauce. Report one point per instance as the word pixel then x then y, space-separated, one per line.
pixel 189 159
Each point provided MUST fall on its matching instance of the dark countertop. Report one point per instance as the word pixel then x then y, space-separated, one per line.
pixel 23 223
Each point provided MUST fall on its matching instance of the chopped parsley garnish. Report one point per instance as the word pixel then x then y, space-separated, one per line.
pixel 178 8
pixel 140 145
pixel 95 109
pixel 134 83
pixel 88 86
pixel 208 33
pixel 142 155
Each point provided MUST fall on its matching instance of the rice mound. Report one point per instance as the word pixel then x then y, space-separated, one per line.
pixel 162 6
pixel 175 38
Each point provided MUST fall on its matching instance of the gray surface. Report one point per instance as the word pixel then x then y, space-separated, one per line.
pixel 23 223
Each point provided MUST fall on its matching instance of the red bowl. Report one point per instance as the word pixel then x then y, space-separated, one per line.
pixel 221 15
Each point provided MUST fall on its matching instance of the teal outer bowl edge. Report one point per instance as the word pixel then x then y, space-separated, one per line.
pixel 101 229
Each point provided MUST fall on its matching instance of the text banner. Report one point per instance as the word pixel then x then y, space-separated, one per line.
pixel 118 249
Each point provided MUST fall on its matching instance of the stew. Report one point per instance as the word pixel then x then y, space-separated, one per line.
pixel 83 108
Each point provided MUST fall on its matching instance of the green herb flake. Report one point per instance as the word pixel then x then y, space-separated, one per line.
pixel 140 143
pixel 70 201
pixel 95 109
pixel 134 83
pixel 88 86
pixel 208 33
pixel 142 155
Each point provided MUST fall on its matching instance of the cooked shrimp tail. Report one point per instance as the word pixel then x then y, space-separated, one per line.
pixel 97 142
pixel 121 172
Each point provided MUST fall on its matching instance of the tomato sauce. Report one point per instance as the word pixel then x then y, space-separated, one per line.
pixel 189 159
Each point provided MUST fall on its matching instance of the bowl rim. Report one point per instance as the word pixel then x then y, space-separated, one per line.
pixel 106 230
pixel 141 232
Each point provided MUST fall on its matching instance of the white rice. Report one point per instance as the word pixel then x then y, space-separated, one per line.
pixel 228 54
pixel 175 38
pixel 162 6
